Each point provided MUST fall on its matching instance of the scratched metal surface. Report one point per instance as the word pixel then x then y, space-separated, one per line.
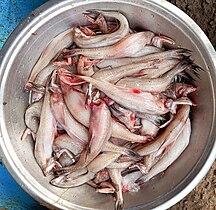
pixel 12 197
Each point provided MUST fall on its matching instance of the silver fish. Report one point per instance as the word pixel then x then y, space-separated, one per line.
pixel 51 52
pixel 174 152
pixel 101 40
pixel 45 137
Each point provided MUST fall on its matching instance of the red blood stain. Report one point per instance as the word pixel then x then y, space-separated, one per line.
pixel 125 188
pixel 137 91
pixel 133 118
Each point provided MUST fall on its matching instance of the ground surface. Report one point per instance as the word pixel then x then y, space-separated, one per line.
pixel 203 12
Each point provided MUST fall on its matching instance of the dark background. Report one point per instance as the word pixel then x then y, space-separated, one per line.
pixel 203 12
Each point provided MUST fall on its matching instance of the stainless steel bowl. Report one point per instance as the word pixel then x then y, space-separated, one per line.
pixel 20 54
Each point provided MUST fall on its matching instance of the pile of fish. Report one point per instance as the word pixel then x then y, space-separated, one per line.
pixel 109 105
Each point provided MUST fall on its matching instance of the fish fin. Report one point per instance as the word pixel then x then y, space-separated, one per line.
pixel 133 154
